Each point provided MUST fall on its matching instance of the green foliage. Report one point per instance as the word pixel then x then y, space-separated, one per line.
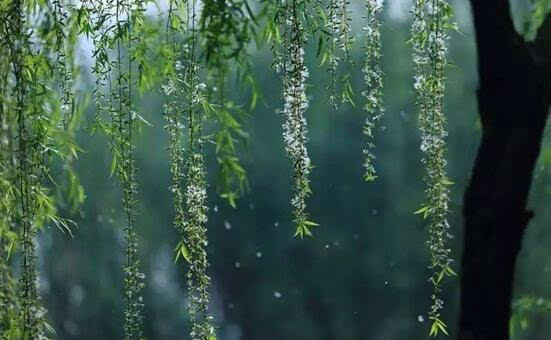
pixel 525 309
pixel 540 11
pixel 37 128
pixel 225 32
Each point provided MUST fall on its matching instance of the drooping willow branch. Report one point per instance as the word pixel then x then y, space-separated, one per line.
pixel 225 33
pixel 432 20
pixel 123 124
pixel 117 26
pixel 31 115
pixel 289 60
pixel 339 40
pixel 28 122
pixel 29 167
pixel 8 203
pixel 64 59
pixel 373 79
pixel 190 204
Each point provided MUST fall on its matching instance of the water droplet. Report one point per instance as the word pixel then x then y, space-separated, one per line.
pixel 420 318
pixel 227 225
pixel 259 254
pixel 277 294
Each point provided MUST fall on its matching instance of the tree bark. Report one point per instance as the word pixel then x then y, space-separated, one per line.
pixel 513 104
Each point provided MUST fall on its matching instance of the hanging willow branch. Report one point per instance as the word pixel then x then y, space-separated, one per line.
pixel 225 29
pixel 339 40
pixel 64 59
pixel 118 25
pixel 29 116
pixel 289 59
pixel 373 79
pixel 123 124
pixel 190 205
pixel 29 169
pixel 432 20
pixel 8 203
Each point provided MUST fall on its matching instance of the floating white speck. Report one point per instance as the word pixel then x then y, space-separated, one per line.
pixel 420 318
pixel 276 224
pixel 227 225
pixel 215 209
pixel 326 246
pixel 277 294
pixel 237 264
pixel 259 254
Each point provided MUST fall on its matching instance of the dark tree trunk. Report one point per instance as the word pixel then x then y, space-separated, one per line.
pixel 513 103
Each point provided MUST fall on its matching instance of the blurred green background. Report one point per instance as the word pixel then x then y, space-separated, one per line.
pixel 364 273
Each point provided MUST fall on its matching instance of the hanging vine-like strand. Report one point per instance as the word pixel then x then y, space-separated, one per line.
pixel 116 32
pixel 188 102
pixel 432 20
pixel 339 40
pixel 295 128
pixel 373 79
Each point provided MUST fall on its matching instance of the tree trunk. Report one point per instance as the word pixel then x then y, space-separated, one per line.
pixel 513 103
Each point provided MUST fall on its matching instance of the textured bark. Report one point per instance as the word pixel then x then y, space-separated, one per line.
pixel 513 103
